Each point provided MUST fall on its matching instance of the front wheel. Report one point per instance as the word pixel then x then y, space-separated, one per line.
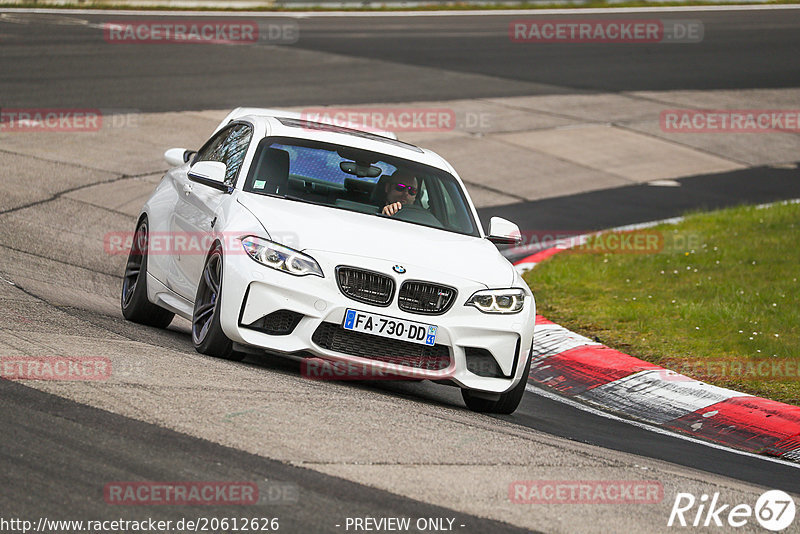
pixel 133 301
pixel 207 335
pixel 506 404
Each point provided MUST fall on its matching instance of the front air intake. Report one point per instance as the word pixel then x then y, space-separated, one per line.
pixel 279 323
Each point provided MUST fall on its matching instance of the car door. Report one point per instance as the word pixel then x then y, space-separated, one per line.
pixel 197 207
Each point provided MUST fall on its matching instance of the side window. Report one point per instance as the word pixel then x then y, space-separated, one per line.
pixel 211 150
pixel 422 195
pixel 449 207
pixel 229 146
pixel 456 207
pixel 235 148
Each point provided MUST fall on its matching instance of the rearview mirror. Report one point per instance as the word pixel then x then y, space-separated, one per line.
pixel 360 170
pixel 210 173
pixel 503 232
pixel 178 156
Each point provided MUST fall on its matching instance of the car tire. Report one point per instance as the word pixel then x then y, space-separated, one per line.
pixel 507 403
pixel 207 335
pixel 133 299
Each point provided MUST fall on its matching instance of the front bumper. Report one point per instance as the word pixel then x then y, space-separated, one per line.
pixel 251 291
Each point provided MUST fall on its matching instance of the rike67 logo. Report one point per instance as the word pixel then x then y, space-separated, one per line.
pixel 774 510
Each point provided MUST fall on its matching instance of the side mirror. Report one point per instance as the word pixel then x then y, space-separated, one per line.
pixel 210 173
pixel 178 156
pixel 503 232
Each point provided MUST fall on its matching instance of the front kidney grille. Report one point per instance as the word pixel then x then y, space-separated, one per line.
pixel 333 337
pixel 425 297
pixel 365 286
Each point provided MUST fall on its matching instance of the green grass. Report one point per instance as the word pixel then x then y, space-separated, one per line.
pixel 724 288
pixel 269 5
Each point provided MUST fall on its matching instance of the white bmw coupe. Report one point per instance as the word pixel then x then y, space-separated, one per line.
pixel 335 245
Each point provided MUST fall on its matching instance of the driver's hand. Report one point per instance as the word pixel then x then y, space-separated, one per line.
pixel 391 209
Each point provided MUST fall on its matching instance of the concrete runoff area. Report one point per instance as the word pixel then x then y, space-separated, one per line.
pixel 546 146
pixel 61 193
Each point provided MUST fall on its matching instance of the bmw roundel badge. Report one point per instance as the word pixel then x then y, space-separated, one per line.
pixel 399 269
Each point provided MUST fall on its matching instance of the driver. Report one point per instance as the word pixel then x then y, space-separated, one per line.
pixel 401 190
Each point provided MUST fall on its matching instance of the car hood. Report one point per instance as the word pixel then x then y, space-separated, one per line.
pixel 310 227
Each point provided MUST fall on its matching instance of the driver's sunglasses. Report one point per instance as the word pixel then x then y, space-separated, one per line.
pixel 403 187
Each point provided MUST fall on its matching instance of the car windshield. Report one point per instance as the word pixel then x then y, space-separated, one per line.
pixel 357 180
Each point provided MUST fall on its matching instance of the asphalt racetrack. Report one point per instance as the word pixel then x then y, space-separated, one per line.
pixel 324 452
pixel 382 59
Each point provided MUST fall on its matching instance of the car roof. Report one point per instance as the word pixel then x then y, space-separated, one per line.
pixel 241 112
pixel 283 123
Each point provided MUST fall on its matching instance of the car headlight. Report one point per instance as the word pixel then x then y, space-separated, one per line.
pixel 280 257
pixel 498 300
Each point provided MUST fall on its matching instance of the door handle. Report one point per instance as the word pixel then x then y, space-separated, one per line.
pixel 187 189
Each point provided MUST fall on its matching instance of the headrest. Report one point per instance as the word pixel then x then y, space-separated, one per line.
pixel 276 170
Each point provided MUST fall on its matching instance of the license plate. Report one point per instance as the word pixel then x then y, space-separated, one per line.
pixel 391 327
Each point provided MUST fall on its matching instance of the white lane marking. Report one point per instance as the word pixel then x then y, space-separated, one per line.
pixel 26 18
pixel 523 268
pixel 574 404
pixel 450 13
pixel 676 220
pixel 781 203
pixel 783 166
pixel 664 183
